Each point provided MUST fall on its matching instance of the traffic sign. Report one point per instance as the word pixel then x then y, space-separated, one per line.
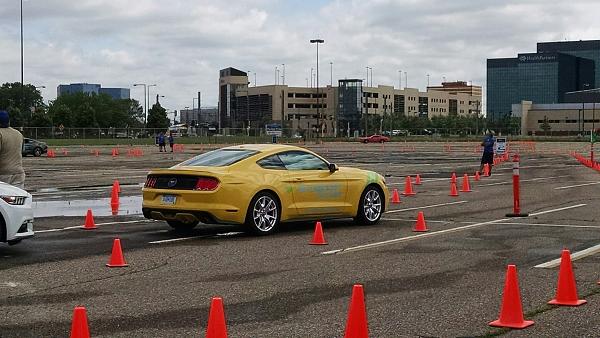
pixel 500 146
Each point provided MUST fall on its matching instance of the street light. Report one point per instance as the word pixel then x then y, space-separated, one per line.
pixel 400 79
pixel 331 72
pixel 145 100
pixel 283 78
pixel 317 42
pixel 152 85
pixel 427 80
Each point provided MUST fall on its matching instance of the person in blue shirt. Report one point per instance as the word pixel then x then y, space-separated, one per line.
pixel 488 151
pixel 171 141
pixel 161 142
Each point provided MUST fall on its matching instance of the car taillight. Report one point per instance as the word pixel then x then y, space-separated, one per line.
pixel 206 184
pixel 150 182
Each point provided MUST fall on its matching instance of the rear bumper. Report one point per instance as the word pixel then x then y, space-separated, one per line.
pixel 186 216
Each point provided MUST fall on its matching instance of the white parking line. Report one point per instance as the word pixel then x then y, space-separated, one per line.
pixel 176 239
pixel 435 233
pixel 551 225
pixel 81 226
pixel 576 185
pixel 425 207
pixel 528 180
pixel 574 256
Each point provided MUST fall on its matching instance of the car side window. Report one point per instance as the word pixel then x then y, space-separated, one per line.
pixel 300 160
pixel 271 162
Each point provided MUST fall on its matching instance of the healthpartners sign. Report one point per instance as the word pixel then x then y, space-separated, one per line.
pixel 536 58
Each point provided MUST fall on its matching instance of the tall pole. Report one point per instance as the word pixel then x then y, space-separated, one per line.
pixel 371 68
pixel 405 79
pixel 427 80
pixel 317 42
pixel 331 73
pixel 276 75
pixel 311 77
pixel 283 82
pixel 22 72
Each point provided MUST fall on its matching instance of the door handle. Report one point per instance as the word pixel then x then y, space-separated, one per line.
pixel 298 179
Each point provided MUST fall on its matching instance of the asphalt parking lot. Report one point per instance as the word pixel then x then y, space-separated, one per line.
pixel 447 283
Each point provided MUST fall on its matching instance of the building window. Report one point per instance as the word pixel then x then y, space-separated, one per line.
pixel 290 105
pixel 302 105
pixel 290 94
pixel 303 95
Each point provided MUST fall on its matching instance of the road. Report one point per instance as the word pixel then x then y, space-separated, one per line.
pixel 447 283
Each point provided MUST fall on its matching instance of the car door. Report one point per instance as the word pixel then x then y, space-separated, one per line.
pixel 27 146
pixel 317 192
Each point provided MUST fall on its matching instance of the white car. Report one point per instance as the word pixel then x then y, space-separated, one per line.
pixel 16 214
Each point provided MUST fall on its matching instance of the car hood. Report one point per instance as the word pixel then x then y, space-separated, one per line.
pixel 11 190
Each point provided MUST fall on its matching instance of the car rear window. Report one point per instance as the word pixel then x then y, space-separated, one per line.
pixel 218 158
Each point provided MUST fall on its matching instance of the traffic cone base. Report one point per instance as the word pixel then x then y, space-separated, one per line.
pixel 116 258
pixel 574 303
pixel 318 237
pixel 522 325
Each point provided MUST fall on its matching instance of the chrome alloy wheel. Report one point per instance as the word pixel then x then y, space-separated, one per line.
pixel 372 205
pixel 264 213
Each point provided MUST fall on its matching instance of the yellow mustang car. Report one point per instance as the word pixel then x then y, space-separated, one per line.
pixel 261 185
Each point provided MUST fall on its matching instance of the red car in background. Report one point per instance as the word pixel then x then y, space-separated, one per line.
pixel 374 139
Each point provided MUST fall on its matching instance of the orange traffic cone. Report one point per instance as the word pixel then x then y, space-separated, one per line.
pixel 408 190
pixel 114 200
pixel 89 221
pixel 395 197
pixel 566 290
pixel 116 258
pixel 486 170
pixel 477 177
pixel 356 326
pixel 453 178
pixel 420 226
pixel 466 187
pixel 116 186
pixel 318 238
pixel 418 180
pixel 216 328
pixel 453 190
pixel 511 310
pixel 79 326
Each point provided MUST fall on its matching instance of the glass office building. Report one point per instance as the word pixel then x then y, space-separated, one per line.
pixel 537 77
pixel 584 49
pixel 350 95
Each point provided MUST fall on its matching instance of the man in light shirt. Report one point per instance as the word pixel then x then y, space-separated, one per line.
pixel 11 147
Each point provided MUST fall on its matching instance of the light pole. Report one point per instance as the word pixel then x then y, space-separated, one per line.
pixel 331 73
pixel 367 67
pixel 152 85
pixel 145 101
pixel 276 75
pixel 311 77
pixel 427 80
pixel 405 79
pixel 283 78
pixel 22 84
pixel 371 68
pixel 317 42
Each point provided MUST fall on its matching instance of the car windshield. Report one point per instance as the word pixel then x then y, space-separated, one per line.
pixel 218 158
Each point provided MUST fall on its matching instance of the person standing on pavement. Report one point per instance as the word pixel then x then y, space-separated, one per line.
pixel 488 151
pixel 161 142
pixel 11 157
pixel 171 141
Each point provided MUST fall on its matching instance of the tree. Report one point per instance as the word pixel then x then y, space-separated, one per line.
pixel 20 104
pixel 157 117
pixel 545 126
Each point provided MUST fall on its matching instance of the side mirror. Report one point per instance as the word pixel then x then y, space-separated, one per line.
pixel 333 168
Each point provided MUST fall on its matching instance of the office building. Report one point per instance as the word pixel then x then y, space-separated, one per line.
pixel 93 88
pixel 542 77
pixel 559 119
pixel 333 111
pixel 199 117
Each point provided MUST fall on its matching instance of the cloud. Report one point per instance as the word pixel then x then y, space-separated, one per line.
pixel 181 44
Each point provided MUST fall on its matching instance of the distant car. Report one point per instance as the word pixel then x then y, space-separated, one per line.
pixel 261 186
pixel 34 147
pixel 397 132
pixel 16 214
pixel 374 139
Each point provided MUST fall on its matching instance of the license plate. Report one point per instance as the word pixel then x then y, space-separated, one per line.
pixel 169 199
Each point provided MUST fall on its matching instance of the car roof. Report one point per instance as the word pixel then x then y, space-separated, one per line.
pixel 264 148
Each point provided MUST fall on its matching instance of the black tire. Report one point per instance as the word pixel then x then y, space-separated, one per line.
pixel 264 213
pixel 2 230
pixel 37 152
pixel 370 206
pixel 365 141
pixel 180 226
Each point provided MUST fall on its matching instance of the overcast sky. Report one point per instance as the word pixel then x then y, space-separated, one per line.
pixel 180 45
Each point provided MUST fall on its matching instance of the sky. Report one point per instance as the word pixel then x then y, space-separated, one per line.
pixel 180 45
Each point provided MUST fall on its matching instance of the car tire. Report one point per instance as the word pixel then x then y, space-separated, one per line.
pixel 264 213
pixel 2 230
pixel 180 226
pixel 370 206
pixel 37 152
pixel 365 141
